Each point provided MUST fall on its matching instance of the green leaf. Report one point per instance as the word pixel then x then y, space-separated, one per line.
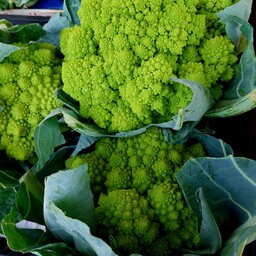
pixel 33 186
pixel 67 100
pixel 9 179
pixel 26 32
pixel 26 236
pixel 47 137
pixel 4 36
pixel 5 23
pixel 53 249
pixel 25 3
pixel 18 33
pixel 7 199
pixel 28 204
pixel 3 4
pixel 68 211
pixel 10 172
pixel 23 224
pixel 21 33
pixel 27 207
pixel 20 239
pixel 55 163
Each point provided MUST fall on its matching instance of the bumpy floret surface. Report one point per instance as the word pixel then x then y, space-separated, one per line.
pixel 137 197
pixel 28 79
pixel 122 55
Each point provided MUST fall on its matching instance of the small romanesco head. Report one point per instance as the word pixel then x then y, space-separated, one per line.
pixel 28 79
pixel 129 216
pixel 168 203
pixel 218 58
pixel 137 198
pixel 77 42
pixel 211 8
pixel 96 168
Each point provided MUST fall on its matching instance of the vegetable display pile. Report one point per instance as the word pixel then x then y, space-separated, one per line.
pixel 28 79
pixel 106 141
pixel 124 53
pixel 137 197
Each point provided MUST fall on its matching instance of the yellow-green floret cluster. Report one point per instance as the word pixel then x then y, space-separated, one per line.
pixel 138 201
pixel 119 60
pixel 28 79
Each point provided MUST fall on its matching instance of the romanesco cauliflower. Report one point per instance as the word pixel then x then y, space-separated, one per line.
pixel 137 198
pixel 210 8
pixel 28 79
pixel 119 61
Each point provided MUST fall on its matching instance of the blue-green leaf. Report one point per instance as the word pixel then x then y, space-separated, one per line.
pixel 70 9
pixel 53 28
pixel 244 81
pixel 68 17
pixel 69 211
pixel 210 237
pixel 228 184
pixel 242 236
pixel 79 233
pixel 6 50
pixel 239 96
pixel 70 190
pixel 83 142
pixel 214 147
pixel 241 10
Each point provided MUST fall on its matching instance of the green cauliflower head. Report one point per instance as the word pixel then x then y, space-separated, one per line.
pixel 119 60
pixel 28 79
pixel 138 201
